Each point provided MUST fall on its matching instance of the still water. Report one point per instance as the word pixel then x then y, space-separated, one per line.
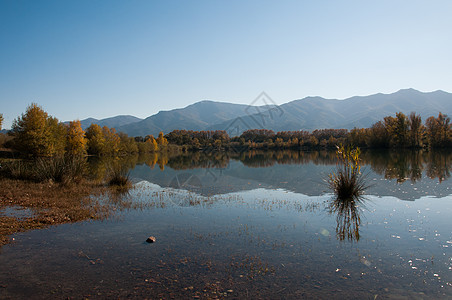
pixel 248 226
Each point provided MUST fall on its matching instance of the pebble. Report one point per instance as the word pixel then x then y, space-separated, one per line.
pixel 151 239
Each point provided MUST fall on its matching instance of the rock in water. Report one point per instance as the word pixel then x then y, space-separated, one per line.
pixel 151 239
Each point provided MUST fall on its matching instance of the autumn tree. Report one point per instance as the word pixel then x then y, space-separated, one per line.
pixel 161 140
pixel 76 142
pixel 127 145
pixel 37 134
pixel 112 141
pixel 152 143
pixel 400 133
pixel 415 130
pixel 96 140
pixel 58 136
pixel 195 143
pixel 438 131
pixel 1 121
pixel 358 137
pixel 378 136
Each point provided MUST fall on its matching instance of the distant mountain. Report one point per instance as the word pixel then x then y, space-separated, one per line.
pixel 198 116
pixel 113 122
pixel 318 113
pixel 306 114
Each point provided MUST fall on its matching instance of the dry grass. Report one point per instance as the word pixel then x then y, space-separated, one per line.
pixel 51 204
pixel 61 169
pixel 347 183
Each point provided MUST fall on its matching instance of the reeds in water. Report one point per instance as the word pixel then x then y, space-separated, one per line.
pixel 347 183
pixel 118 176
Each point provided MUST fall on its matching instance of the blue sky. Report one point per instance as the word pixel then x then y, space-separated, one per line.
pixel 80 59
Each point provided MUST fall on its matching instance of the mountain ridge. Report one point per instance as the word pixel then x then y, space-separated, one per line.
pixel 309 113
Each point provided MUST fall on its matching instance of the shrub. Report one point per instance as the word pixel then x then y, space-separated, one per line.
pixel 118 176
pixel 61 169
pixel 17 169
pixel 347 183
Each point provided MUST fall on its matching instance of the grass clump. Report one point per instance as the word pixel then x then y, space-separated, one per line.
pixel 347 183
pixel 59 169
pixel 16 169
pixel 62 169
pixel 118 176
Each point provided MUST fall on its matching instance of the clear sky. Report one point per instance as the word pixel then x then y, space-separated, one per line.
pixel 80 59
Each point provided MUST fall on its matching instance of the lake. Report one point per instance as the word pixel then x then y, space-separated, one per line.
pixel 247 226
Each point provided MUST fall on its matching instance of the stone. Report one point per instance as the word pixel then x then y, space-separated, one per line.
pixel 151 239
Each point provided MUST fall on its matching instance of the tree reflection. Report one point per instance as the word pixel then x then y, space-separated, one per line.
pixel 399 165
pixel 438 166
pixel 409 165
pixel 347 217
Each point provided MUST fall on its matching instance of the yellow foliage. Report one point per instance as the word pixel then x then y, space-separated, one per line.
pixel 76 141
pixel 161 140
pixel 96 140
pixel 37 134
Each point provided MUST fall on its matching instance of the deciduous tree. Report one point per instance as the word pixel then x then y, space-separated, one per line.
pixel 32 133
pixel 112 141
pixel 416 128
pixel 161 140
pixel 96 140
pixel 76 141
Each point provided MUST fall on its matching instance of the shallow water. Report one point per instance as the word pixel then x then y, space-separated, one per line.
pixel 245 232
pixel 17 212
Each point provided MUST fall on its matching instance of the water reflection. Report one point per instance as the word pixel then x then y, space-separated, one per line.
pixel 348 217
pixel 267 243
pixel 407 175
pixel 409 165
pixel 398 165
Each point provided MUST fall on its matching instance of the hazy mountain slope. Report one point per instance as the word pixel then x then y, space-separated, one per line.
pixel 306 114
pixel 113 122
pixel 316 113
pixel 198 116
pixel 364 111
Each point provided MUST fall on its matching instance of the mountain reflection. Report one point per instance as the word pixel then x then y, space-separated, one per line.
pixel 407 175
pixel 398 165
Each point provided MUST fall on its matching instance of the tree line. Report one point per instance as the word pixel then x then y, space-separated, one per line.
pixel 400 131
pixel 35 133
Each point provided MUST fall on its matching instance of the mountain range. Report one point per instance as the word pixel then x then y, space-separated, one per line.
pixel 305 114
